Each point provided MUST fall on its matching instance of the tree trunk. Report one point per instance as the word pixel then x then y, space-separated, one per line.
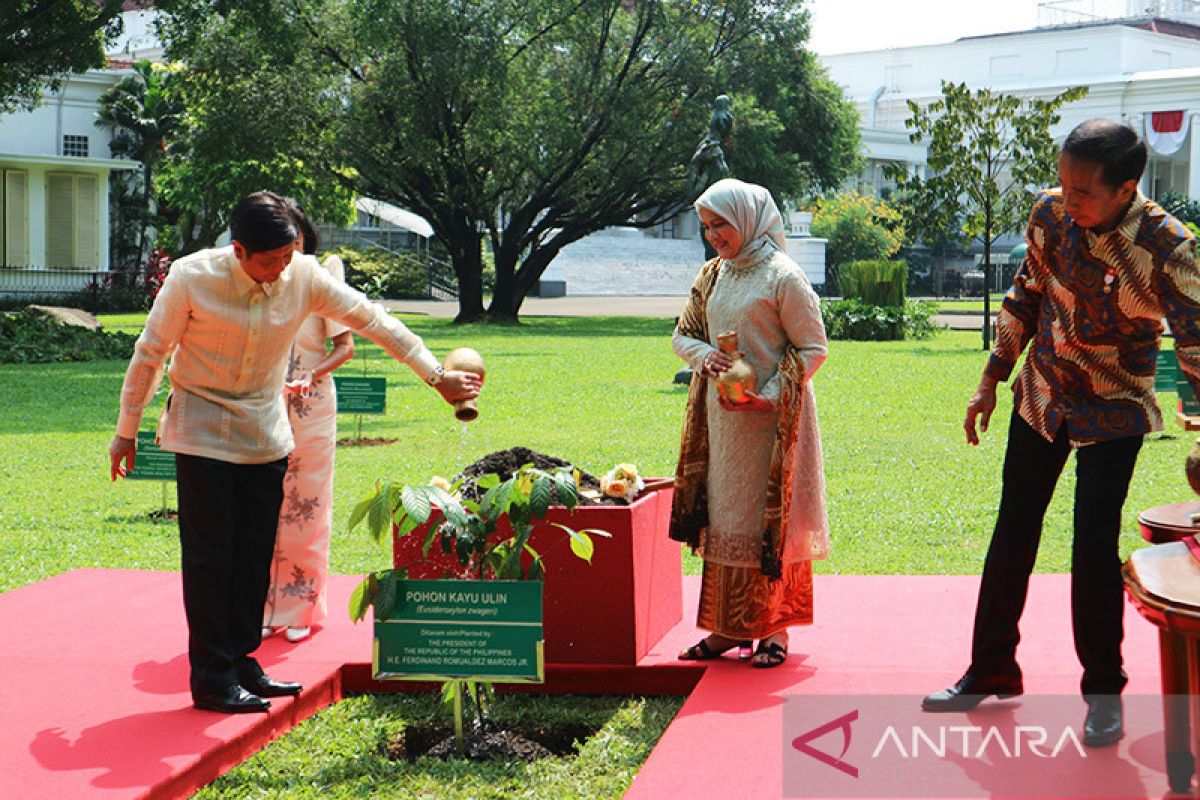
pixel 506 297
pixel 518 283
pixel 987 279
pixel 464 246
pixel 144 221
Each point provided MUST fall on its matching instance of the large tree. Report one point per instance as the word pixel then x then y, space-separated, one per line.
pixel 989 152
pixel 257 109
pixel 794 131
pixel 530 124
pixel 41 41
pixel 535 124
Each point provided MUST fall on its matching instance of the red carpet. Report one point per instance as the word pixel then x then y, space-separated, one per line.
pixel 93 685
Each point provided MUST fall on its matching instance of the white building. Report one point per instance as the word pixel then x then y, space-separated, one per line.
pixel 1134 68
pixel 54 174
pixel 1140 60
pixel 54 169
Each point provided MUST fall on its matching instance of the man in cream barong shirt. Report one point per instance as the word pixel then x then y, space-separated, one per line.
pixel 226 317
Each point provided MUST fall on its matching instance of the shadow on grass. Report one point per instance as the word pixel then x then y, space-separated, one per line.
pixel 60 398
pixel 548 326
pixel 153 517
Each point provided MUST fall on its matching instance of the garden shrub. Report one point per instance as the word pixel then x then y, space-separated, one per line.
pixel 27 339
pixel 379 274
pixel 860 321
pixel 857 228
pixel 879 283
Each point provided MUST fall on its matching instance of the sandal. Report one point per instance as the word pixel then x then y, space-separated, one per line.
pixel 769 654
pixel 702 651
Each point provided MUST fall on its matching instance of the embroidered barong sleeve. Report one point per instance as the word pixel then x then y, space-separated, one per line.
pixel 1018 318
pixel 165 324
pixel 800 316
pixel 339 302
pixel 1179 294
pixel 336 268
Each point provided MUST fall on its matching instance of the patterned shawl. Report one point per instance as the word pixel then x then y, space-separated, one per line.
pixel 689 508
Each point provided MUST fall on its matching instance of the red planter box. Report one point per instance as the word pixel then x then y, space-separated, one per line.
pixel 609 612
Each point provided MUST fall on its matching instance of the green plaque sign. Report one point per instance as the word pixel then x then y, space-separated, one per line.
pixel 360 395
pixel 1166 371
pixel 1187 397
pixel 491 630
pixel 152 462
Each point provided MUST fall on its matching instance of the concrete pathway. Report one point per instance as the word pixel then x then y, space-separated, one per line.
pixel 571 306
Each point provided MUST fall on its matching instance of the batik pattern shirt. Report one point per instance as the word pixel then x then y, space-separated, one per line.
pixel 1091 309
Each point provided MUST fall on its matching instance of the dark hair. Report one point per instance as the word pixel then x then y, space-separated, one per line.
pixel 311 240
pixel 262 221
pixel 1117 148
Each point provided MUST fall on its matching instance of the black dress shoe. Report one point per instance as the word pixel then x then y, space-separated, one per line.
pixel 970 691
pixel 1104 724
pixel 266 686
pixel 231 700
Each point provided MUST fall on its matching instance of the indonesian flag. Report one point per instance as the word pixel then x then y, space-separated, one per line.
pixel 1166 130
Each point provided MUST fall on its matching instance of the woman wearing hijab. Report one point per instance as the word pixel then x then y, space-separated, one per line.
pixel 750 487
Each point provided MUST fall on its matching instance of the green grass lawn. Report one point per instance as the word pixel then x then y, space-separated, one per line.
pixel 906 495
pixel 338 753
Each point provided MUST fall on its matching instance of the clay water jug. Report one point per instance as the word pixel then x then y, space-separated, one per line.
pixel 733 383
pixel 466 360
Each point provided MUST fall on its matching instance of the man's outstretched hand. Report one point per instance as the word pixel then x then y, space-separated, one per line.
pixel 458 385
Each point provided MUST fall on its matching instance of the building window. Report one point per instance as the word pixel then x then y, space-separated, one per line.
pixel 75 145
pixel 14 218
pixel 72 221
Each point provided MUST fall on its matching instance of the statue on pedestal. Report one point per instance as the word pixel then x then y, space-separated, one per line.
pixel 708 162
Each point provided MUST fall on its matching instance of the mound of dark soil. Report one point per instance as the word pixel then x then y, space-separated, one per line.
pixel 506 462
pixel 514 743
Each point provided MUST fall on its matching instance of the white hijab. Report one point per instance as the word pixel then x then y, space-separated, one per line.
pixel 749 208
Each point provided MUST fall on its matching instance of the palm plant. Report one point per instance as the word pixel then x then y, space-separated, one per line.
pixel 142 113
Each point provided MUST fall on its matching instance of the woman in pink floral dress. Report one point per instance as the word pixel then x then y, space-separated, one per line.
pixel 296 598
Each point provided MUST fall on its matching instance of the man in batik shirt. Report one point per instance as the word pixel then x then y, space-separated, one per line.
pixel 1104 266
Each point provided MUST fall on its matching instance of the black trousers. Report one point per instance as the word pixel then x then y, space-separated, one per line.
pixel 1031 469
pixel 228 514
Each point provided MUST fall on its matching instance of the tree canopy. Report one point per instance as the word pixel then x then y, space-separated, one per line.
pixel 525 124
pixel 256 115
pixel 989 153
pixel 41 41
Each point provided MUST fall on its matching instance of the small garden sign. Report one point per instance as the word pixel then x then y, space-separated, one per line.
pixel 1166 372
pixel 485 630
pixel 361 395
pixel 153 464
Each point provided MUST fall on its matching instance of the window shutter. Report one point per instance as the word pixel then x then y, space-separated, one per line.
pixel 15 224
pixel 60 221
pixel 87 230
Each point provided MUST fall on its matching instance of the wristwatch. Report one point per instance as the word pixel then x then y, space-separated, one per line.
pixel 435 377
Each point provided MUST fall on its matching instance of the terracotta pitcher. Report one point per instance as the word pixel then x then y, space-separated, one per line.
pixel 733 383
pixel 466 360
